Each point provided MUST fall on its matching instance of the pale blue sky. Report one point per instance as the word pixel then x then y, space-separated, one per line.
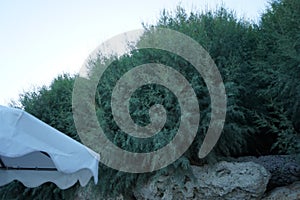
pixel 40 39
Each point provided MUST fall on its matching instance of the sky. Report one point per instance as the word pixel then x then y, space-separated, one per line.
pixel 40 39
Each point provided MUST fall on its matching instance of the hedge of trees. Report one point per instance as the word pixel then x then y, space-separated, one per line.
pixel 260 67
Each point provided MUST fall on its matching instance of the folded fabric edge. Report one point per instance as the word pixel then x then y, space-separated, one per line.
pixel 35 178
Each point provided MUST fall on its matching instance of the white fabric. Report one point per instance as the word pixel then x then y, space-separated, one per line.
pixel 23 137
pixel 31 178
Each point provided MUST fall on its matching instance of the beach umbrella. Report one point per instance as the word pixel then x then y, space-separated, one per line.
pixel 33 153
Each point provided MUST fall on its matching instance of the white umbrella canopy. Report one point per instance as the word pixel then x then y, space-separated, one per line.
pixel 33 153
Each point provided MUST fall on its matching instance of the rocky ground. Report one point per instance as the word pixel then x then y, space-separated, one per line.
pixel 248 178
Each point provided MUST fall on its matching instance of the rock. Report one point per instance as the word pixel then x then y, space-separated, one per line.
pixel 284 169
pixel 291 192
pixel 224 180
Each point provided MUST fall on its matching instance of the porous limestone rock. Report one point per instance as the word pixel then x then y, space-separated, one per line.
pixel 284 169
pixel 224 180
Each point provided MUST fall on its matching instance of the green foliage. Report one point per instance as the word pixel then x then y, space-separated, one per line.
pixel 17 191
pixel 112 181
pixel 231 44
pixel 277 74
pixel 225 38
pixel 53 105
pixel 277 122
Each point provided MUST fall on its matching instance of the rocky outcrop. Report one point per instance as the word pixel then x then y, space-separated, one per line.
pixel 242 178
pixel 224 180
pixel 291 192
pixel 284 169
